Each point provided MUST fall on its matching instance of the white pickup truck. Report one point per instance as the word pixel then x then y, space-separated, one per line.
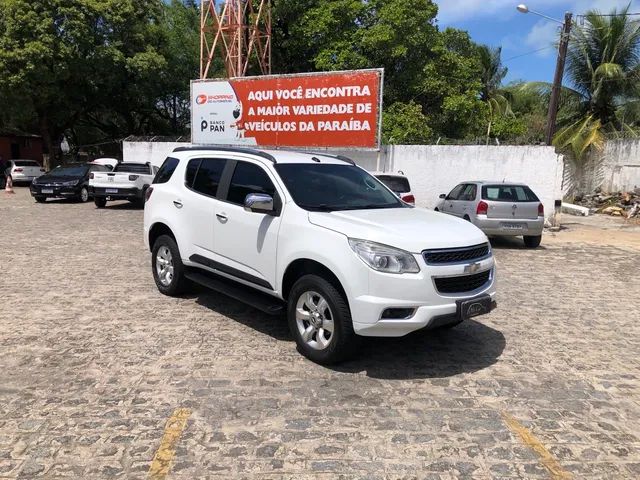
pixel 316 237
pixel 127 181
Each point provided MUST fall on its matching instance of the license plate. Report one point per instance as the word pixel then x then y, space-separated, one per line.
pixel 110 179
pixel 112 190
pixel 47 190
pixel 513 226
pixel 474 307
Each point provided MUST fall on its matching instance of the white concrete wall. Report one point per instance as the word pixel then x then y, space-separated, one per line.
pixel 436 169
pixel 433 169
pixel 620 169
pixel 154 152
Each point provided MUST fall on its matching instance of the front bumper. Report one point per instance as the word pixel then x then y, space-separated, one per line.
pixel 418 292
pixel 117 193
pixel 58 191
pixel 503 226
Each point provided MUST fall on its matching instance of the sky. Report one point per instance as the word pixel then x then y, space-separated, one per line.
pixel 498 23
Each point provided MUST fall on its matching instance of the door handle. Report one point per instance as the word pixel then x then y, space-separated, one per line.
pixel 222 217
pixel 177 203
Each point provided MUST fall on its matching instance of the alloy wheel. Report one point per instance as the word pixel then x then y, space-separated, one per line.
pixel 164 265
pixel 314 320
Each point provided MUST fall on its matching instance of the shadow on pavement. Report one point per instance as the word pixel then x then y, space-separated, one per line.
pixel 511 243
pixel 468 347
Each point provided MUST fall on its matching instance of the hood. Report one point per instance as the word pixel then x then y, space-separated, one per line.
pixel 411 229
pixel 49 178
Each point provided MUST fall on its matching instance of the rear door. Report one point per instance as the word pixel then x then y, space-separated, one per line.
pixel 465 204
pixel 245 243
pixel 515 202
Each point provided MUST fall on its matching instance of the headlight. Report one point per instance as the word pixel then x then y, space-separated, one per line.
pixel 70 183
pixel 384 258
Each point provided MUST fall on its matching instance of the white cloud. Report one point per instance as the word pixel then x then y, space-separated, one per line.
pixel 543 35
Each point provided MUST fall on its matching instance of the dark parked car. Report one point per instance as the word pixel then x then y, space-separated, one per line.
pixel 66 181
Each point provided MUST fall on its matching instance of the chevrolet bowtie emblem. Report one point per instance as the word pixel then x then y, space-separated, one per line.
pixel 472 268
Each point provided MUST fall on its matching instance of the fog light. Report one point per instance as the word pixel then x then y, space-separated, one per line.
pixel 398 313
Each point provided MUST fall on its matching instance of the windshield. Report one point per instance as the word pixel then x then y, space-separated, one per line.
pixel 508 193
pixel 395 183
pixel 26 163
pixel 328 187
pixel 70 170
pixel 132 168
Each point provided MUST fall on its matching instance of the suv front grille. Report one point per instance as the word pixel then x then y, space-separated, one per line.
pixel 462 283
pixel 456 255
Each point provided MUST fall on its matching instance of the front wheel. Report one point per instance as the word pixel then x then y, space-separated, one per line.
pixel 320 321
pixel 100 202
pixel 168 270
pixel 532 241
pixel 84 195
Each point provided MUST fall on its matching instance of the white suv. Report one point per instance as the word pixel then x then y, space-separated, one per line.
pixel 317 236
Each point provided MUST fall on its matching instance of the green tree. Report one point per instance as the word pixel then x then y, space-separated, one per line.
pixel 491 75
pixel 404 123
pixel 603 65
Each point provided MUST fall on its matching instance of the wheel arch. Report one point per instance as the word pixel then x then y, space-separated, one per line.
pixel 306 266
pixel 158 229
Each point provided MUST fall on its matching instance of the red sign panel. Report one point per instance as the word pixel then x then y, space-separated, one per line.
pixel 336 109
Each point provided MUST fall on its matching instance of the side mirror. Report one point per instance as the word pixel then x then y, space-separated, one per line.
pixel 443 195
pixel 259 203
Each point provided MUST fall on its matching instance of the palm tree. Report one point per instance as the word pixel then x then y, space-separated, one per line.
pixel 603 65
pixel 491 75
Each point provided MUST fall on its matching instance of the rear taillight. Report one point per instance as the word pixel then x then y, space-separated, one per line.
pixel 409 199
pixel 540 210
pixel 133 178
pixel 91 175
pixel 147 194
pixel 482 209
pixel 18 169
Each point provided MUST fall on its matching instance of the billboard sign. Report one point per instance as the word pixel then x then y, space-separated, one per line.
pixel 332 109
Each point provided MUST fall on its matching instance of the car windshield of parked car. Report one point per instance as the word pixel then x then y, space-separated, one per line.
pixel 70 170
pixel 395 183
pixel 508 193
pixel 329 187
pixel 142 168
pixel 26 163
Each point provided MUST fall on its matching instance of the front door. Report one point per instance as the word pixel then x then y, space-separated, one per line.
pixel 245 242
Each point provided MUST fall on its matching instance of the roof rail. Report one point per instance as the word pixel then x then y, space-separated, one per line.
pixel 249 151
pixel 338 157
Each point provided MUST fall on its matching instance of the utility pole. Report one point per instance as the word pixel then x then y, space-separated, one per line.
pixel 557 79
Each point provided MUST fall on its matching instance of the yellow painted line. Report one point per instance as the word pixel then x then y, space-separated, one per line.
pixel 162 460
pixel 529 439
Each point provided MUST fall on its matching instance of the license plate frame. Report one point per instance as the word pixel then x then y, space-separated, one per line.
pixel 474 307
pixel 111 190
pixel 46 190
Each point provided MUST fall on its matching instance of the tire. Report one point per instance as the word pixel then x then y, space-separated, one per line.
pixel 84 195
pixel 308 293
pixel 40 199
pixel 174 282
pixel 100 202
pixel 466 217
pixel 436 209
pixel 532 241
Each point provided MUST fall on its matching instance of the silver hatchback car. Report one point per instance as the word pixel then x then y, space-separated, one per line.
pixel 497 208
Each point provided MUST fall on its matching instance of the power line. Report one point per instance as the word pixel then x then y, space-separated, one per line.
pixel 529 53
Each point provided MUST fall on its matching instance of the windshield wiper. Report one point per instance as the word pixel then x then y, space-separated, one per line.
pixel 322 207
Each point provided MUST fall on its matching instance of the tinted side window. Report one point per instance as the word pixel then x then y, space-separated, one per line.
pixel 166 170
pixel 208 176
pixel 453 195
pixel 190 173
pixel 469 193
pixel 249 178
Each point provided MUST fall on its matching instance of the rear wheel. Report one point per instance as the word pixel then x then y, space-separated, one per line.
pixel 320 321
pixel 40 199
pixel 168 270
pixel 100 202
pixel 437 209
pixel 532 241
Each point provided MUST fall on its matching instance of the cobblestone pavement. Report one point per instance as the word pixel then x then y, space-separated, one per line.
pixel 94 361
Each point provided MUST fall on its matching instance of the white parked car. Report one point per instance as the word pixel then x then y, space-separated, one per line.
pixel 317 237
pixel 127 181
pixel 23 171
pixel 398 183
